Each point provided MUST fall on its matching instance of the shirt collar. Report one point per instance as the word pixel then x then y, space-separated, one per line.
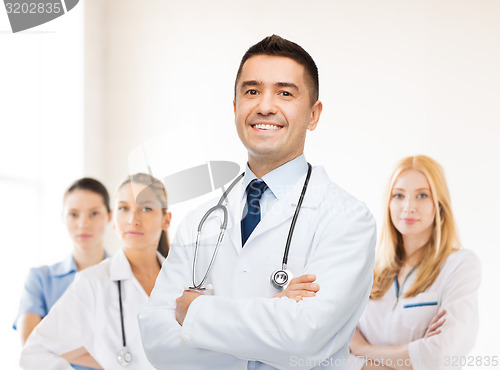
pixel 120 269
pixel 280 180
pixel 65 267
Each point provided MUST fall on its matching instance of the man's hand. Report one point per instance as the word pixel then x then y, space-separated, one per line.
pixel 183 303
pixel 302 286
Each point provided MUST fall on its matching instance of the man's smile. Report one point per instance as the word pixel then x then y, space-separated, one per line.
pixel 263 126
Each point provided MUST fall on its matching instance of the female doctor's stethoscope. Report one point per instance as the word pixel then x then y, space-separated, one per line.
pixel 279 278
pixel 124 356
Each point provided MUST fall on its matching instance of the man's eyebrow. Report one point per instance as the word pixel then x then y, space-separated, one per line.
pixel 251 83
pixel 287 84
pixel 278 84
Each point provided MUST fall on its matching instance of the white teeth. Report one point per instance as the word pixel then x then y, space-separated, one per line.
pixel 267 127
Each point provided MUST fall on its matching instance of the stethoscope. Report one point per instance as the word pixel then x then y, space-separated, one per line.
pixel 124 356
pixel 279 278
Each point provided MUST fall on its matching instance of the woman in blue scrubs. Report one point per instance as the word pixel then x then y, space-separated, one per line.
pixel 86 214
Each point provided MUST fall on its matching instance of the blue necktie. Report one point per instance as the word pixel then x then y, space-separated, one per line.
pixel 252 209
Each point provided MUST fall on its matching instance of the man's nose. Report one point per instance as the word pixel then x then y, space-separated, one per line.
pixel 267 104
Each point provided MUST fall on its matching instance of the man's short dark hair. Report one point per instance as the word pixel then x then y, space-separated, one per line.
pixel 277 46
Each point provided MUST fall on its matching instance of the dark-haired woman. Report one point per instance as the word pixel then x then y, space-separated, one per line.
pixel 97 315
pixel 86 214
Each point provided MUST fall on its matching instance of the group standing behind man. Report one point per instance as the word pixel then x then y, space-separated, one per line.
pixel 95 323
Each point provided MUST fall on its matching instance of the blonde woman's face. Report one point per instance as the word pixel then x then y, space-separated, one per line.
pixel 411 206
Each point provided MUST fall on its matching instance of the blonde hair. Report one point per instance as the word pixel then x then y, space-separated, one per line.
pixel 443 240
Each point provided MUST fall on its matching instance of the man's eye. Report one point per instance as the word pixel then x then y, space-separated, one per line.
pixel 251 92
pixel 285 93
pixel 147 209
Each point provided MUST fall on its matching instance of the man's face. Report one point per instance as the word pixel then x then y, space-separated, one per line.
pixel 273 109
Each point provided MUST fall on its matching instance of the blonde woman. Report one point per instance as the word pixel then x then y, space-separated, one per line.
pixel 422 312
pixel 97 315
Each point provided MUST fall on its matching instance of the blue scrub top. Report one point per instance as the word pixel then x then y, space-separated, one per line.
pixel 44 286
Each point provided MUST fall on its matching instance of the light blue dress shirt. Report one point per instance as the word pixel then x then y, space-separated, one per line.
pixel 44 286
pixel 279 182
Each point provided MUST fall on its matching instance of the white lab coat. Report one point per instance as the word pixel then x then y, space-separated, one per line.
pixel 239 322
pixel 88 315
pixel 388 323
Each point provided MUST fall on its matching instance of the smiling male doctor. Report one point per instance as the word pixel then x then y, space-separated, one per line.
pixel 239 325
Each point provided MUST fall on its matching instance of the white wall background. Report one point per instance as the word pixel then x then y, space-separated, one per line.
pixel 397 77
pixel 41 152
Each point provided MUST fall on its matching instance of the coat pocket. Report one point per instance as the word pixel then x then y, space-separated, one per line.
pixel 417 312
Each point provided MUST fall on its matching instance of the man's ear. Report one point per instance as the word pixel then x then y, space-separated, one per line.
pixel 316 110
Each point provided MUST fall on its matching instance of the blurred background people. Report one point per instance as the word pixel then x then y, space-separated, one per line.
pixel 95 321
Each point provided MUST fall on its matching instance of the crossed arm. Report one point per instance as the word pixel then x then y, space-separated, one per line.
pixel 28 321
pixel 361 347
pixel 300 287
pixel 313 328
pixel 304 286
pixel 440 341
pixel 59 338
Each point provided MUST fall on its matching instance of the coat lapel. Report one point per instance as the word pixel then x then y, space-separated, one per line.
pixel 284 209
pixel 281 212
pixel 233 204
